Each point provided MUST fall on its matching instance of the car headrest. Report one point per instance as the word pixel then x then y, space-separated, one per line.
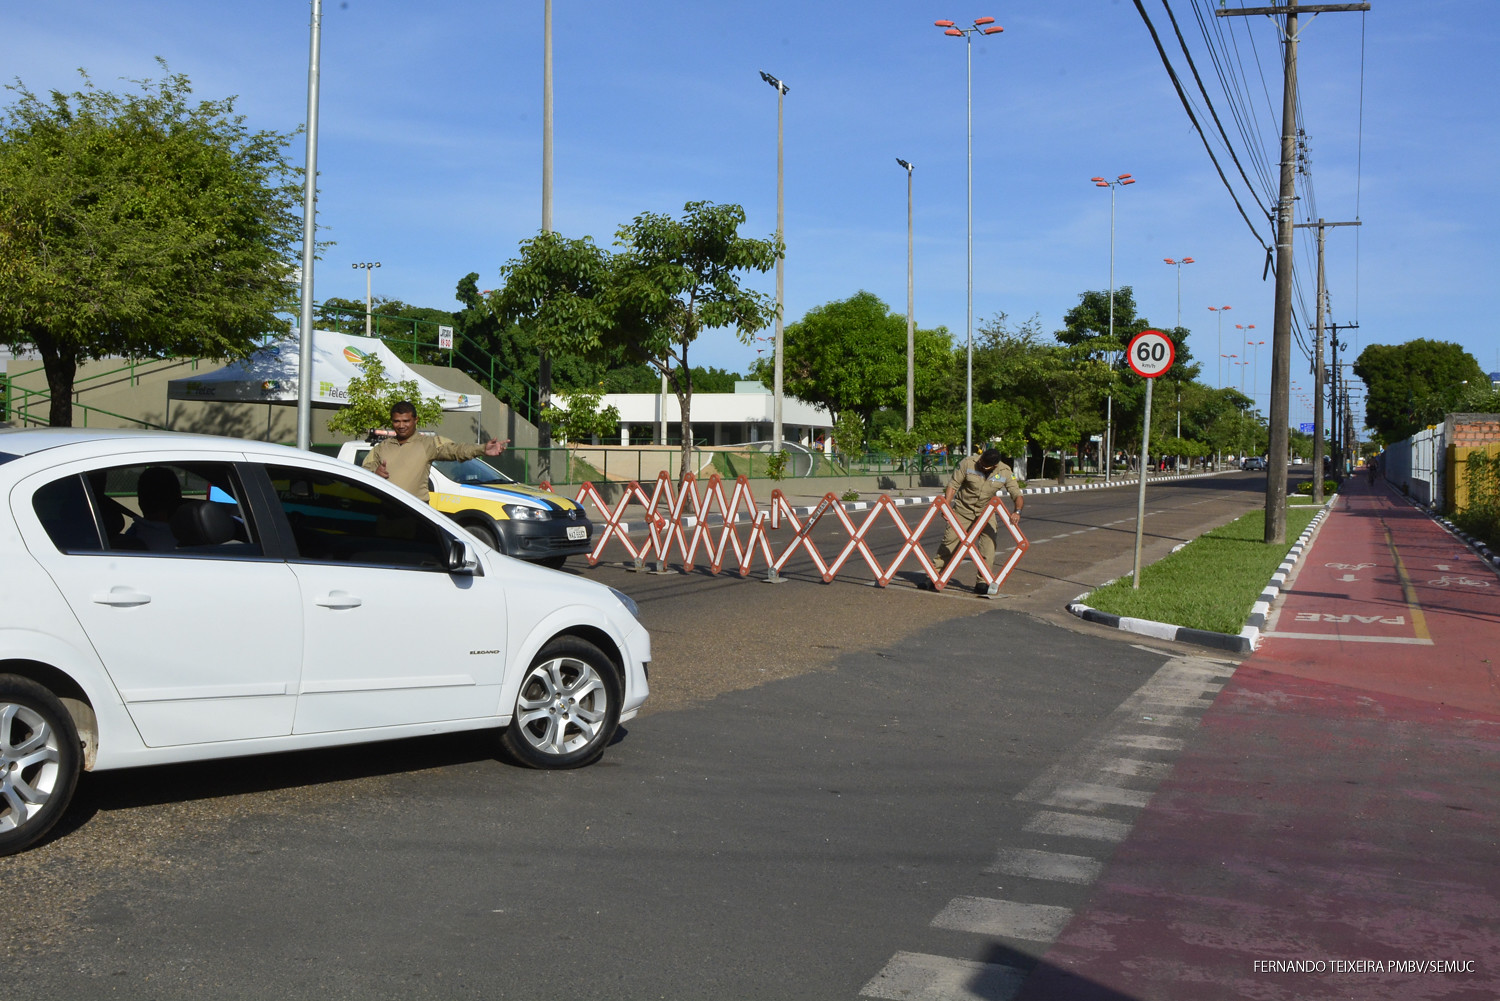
pixel 203 523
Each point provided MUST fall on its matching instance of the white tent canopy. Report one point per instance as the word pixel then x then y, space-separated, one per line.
pixel 270 374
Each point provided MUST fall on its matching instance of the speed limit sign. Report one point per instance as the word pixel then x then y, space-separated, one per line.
pixel 1150 353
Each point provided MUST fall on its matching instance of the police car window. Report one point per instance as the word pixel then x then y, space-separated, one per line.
pixel 339 520
pixel 173 508
pixel 6 457
pixel 471 472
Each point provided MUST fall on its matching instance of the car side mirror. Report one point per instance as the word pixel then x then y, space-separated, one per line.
pixel 460 560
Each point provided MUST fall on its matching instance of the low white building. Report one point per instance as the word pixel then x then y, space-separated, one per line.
pixel 745 415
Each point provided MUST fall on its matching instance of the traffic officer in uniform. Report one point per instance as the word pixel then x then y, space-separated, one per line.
pixel 974 482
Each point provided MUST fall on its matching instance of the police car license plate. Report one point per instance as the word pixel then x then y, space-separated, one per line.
pixel 577 533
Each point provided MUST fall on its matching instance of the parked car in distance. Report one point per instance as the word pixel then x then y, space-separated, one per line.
pixel 526 522
pixel 176 597
pixel 1255 463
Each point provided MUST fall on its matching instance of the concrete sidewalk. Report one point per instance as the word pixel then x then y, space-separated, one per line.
pixel 1332 830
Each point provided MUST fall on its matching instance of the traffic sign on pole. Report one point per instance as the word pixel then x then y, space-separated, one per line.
pixel 1151 354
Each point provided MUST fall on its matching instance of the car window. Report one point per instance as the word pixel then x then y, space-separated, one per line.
pixel 471 472
pixel 6 457
pixel 340 520
pixel 65 511
pixel 178 509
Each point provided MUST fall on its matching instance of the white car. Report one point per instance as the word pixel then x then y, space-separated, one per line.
pixel 526 522
pixel 174 597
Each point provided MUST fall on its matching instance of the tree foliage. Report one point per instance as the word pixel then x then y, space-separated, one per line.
pixel 371 396
pixel 1411 385
pixel 140 224
pixel 675 278
pixel 583 418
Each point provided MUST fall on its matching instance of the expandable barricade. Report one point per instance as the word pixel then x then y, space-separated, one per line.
pixel 666 532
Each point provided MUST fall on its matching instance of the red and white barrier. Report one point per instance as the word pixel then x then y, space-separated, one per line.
pixel 671 530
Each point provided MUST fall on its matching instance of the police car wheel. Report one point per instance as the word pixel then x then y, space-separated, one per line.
pixel 487 535
pixel 39 762
pixel 568 708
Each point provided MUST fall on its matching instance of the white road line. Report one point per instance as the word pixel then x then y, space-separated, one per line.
pixel 1146 742
pixel 914 976
pixel 1003 918
pixel 1034 864
pixel 1153 770
pixel 1073 826
pixel 1403 640
pixel 1091 796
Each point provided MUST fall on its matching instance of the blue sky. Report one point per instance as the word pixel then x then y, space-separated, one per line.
pixel 430 146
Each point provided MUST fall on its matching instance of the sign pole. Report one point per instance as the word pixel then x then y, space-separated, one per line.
pixel 1140 494
pixel 1150 354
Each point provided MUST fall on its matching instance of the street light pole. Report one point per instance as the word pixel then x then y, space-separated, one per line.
pixel 1219 312
pixel 911 329
pixel 781 89
pixel 1109 413
pixel 309 234
pixel 1246 327
pixel 983 26
pixel 367 266
pixel 1178 263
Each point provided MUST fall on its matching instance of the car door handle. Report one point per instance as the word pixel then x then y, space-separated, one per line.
pixel 121 597
pixel 340 599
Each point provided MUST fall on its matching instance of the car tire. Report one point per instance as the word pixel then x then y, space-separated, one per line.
pixel 486 534
pixel 39 762
pixel 568 707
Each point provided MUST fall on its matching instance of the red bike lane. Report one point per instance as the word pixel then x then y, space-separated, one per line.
pixel 1333 829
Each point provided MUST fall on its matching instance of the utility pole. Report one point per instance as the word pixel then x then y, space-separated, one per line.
pixel 1318 369
pixel 1281 339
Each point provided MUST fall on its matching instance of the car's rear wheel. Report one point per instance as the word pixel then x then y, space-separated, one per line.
pixel 568 708
pixel 39 762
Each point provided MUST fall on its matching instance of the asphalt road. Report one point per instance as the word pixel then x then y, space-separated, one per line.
pixel 825 775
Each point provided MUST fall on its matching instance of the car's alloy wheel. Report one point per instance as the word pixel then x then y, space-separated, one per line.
pixel 568 708
pixel 39 762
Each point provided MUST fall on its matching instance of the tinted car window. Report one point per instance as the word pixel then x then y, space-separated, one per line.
pixel 339 520
pixel 64 510
pixel 6 457
pixel 177 508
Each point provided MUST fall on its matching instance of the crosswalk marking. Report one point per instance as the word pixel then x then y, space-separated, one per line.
pixel 1092 796
pixel 1003 918
pixel 1035 864
pixel 1073 826
pixel 915 976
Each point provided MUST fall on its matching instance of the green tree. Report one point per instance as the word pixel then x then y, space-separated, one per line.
pixel 847 356
pixel 140 224
pixel 558 292
pixel 583 418
pixel 371 396
pixel 676 278
pixel 1410 385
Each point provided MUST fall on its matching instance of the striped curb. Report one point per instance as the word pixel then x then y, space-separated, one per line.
pixel 1246 640
pixel 691 521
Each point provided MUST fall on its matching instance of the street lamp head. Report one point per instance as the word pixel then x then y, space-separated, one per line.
pixel 954 32
pixel 1169 260
pixel 1188 260
pixel 1097 180
pixel 943 24
pixel 993 31
pixel 904 164
pixel 768 78
pixel 1123 177
pixel 978 21
pixel 1128 180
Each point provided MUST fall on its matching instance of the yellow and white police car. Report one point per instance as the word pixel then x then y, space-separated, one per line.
pixel 518 520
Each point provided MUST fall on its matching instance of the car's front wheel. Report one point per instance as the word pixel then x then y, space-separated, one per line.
pixel 39 762
pixel 568 708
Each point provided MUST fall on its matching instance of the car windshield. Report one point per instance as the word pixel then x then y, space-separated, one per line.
pixel 472 472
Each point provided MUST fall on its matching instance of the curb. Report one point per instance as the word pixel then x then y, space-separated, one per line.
pixel 1246 640
pixel 691 521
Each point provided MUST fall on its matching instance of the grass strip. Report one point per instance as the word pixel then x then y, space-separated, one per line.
pixel 1210 583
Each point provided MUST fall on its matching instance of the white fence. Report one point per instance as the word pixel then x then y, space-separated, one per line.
pixel 1416 465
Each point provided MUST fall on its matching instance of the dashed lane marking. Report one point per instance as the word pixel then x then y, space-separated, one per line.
pixel 1033 863
pixel 914 976
pixel 1003 918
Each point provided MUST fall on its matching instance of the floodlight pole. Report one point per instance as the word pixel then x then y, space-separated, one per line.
pixel 309 229
pixel 911 370
pixel 776 390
